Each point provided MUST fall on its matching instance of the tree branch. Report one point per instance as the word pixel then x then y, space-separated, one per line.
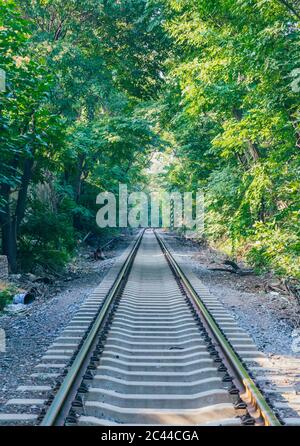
pixel 290 8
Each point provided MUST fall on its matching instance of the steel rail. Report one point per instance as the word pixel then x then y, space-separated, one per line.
pixel 54 411
pixel 249 385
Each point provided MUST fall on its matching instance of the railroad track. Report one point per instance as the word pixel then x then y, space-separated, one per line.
pixel 145 350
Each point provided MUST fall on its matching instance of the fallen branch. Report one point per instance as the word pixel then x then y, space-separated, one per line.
pixel 293 288
pixel 238 271
pixel 86 237
pixel 232 264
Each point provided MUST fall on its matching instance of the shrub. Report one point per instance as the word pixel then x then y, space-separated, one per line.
pixel 47 239
pixel 275 248
pixel 6 294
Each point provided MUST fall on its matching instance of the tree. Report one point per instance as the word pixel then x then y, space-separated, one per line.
pixel 26 123
pixel 234 65
pixel 105 60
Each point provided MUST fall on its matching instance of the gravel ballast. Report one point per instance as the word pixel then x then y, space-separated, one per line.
pixel 270 318
pixel 29 333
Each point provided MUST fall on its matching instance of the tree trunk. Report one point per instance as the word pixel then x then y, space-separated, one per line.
pixel 10 223
pixel 77 189
pixel 262 210
pixel 77 183
pixel 22 195
pixel 9 233
pixel 9 240
pixel 252 147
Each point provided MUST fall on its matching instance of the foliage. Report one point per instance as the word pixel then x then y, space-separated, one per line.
pixel 96 87
pixel 7 293
pixel 47 238
pixel 235 117
pixel 78 75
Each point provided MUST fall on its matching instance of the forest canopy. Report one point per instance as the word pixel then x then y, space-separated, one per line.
pixel 94 89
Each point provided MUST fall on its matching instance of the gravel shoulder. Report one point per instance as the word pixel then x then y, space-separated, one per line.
pixel 28 334
pixel 270 318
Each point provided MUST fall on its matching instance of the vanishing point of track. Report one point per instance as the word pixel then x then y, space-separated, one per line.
pixel 154 355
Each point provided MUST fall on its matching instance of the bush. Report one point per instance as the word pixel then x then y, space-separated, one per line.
pixel 276 249
pixel 7 293
pixel 47 239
